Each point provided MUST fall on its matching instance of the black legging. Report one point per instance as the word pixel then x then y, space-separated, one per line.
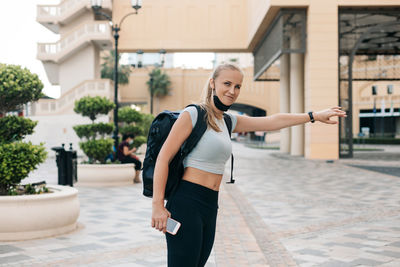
pixel 138 163
pixel 195 207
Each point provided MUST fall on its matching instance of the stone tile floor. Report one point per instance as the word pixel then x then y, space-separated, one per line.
pixel 282 211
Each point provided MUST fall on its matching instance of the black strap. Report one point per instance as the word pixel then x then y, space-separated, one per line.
pixel 232 181
pixel 197 132
pixel 228 122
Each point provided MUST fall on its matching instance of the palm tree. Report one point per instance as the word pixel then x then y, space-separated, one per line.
pixel 159 85
pixel 107 69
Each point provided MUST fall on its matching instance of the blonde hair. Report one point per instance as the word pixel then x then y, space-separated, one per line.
pixel 206 102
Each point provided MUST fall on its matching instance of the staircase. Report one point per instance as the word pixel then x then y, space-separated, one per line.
pixel 65 104
pixel 51 16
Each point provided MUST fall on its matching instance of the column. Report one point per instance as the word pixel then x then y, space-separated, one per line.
pixel 284 100
pixel 321 77
pixel 296 97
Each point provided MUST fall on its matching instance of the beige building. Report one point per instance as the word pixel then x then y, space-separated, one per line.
pixel 187 87
pixel 307 36
pixel 73 63
pixel 297 46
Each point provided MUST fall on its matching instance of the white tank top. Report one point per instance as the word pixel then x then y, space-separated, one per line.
pixel 214 148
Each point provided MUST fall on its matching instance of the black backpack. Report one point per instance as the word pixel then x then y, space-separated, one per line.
pixel 158 133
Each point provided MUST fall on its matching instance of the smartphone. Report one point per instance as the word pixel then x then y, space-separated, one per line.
pixel 172 226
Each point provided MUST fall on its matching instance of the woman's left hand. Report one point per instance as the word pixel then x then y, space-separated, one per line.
pixel 325 115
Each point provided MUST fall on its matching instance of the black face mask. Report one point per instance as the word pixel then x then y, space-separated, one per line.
pixel 219 105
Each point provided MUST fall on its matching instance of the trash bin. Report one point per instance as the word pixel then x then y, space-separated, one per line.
pixel 60 160
pixel 67 165
pixel 71 166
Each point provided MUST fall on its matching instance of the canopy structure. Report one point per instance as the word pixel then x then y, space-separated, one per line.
pixel 384 39
pixel 363 35
pixel 286 34
pixel 369 50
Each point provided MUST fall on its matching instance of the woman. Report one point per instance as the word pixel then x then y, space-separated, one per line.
pixel 195 202
pixel 125 155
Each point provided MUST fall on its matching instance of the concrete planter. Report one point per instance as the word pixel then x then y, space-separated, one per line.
pixel 105 174
pixel 38 216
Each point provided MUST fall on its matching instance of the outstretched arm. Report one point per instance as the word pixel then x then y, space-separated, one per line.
pixel 282 120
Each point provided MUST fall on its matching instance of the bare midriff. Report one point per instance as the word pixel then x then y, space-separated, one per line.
pixel 206 179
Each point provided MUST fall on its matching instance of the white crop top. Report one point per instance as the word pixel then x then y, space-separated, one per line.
pixel 214 148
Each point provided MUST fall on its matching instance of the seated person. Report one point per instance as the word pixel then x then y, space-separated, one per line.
pixel 125 155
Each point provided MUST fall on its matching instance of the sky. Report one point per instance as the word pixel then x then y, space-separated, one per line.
pixel 20 34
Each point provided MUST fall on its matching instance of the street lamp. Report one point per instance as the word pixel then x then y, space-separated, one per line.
pixel 151 94
pixel 139 58
pixel 162 53
pixel 390 89
pixel 390 92
pixel 136 4
pixel 374 93
pixel 96 6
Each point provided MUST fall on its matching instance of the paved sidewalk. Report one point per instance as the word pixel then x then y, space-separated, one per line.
pixel 318 213
pixel 282 211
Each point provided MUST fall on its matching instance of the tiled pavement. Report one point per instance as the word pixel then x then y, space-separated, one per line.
pixel 322 214
pixel 282 211
pixel 113 230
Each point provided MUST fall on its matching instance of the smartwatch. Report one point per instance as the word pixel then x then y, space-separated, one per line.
pixel 311 117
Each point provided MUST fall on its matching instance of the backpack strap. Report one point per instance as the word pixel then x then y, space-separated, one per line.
pixel 228 122
pixel 197 132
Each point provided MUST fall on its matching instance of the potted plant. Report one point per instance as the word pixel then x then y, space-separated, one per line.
pixel 132 126
pixel 136 123
pixel 30 211
pixel 97 145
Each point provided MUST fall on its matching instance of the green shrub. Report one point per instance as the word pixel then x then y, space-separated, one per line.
pixel 28 189
pixel 136 123
pixel 107 69
pixel 97 150
pixel 377 140
pixel 91 131
pixel 138 141
pixel 16 161
pixel 13 128
pixel 133 129
pixel 90 106
pixel 146 123
pixel 129 115
pixel 17 87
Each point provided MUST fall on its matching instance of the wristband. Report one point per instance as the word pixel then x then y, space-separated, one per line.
pixel 311 117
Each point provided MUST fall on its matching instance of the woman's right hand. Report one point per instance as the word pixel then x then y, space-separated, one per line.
pixel 159 217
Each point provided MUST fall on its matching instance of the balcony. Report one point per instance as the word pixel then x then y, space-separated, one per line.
pixel 65 104
pixel 52 16
pixel 98 32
